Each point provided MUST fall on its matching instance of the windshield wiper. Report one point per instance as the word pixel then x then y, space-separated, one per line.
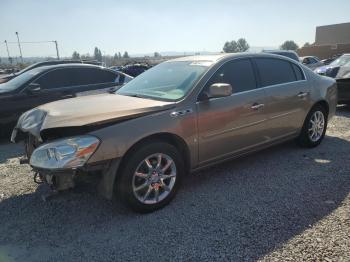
pixel 132 95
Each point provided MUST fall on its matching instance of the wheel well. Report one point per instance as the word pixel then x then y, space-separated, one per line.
pixel 324 104
pixel 169 138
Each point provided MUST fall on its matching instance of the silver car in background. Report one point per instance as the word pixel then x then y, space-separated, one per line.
pixel 177 117
pixel 311 62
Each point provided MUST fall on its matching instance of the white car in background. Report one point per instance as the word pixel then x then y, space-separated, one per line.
pixel 311 62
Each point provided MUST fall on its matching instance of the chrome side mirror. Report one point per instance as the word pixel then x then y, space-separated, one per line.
pixel 219 90
pixel 34 88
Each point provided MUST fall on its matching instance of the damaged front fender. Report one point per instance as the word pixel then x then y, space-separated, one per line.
pixel 29 122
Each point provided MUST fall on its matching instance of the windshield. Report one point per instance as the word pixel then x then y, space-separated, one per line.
pixel 19 80
pixel 168 81
pixel 341 61
pixel 27 68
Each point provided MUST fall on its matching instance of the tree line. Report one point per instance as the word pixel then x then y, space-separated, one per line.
pixel 241 45
pixel 98 55
pixel 233 46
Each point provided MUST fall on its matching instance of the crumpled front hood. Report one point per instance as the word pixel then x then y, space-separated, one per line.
pixel 337 72
pixel 87 110
pixel 343 73
pixel 322 69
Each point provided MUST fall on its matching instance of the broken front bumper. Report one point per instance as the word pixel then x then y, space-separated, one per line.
pixel 104 176
pixel 57 180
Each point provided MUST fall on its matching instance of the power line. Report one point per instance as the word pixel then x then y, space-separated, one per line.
pixel 32 42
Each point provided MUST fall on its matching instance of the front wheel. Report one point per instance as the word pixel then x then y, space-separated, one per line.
pixel 314 128
pixel 150 176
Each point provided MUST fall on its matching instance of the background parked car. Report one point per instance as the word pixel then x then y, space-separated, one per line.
pixel 340 70
pixel 47 63
pixel 311 62
pixel 287 53
pixel 330 60
pixel 49 83
pixel 133 69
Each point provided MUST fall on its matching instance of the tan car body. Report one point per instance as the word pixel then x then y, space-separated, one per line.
pixel 206 132
pixel 223 127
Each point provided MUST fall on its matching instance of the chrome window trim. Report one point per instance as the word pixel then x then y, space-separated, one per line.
pixel 286 83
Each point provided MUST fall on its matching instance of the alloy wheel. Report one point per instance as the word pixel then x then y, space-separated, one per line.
pixel 154 178
pixel 316 126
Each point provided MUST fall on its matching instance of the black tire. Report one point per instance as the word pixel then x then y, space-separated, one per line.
pixel 30 144
pixel 304 138
pixel 131 163
pixel 5 132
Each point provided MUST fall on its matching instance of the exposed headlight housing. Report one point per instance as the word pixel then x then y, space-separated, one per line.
pixel 69 153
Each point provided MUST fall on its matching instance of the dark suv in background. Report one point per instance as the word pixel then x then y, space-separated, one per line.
pixel 133 69
pixel 46 63
pixel 50 83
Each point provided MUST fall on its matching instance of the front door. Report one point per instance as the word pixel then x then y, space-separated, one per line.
pixel 233 124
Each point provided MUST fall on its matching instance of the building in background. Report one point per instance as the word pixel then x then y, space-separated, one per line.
pixel 330 40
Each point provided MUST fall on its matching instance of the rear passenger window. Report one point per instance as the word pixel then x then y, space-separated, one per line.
pixel 274 71
pixel 89 76
pixel 298 73
pixel 239 74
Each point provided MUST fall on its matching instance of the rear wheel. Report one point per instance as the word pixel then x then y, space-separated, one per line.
pixel 314 128
pixel 150 177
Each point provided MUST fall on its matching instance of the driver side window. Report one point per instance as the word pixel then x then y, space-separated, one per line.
pixel 307 61
pixel 55 79
pixel 238 73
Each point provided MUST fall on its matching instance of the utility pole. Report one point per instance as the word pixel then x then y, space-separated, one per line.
pixel 58 55
pixel 8 53
pixel 19 46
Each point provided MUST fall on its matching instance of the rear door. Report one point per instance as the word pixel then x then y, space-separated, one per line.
pixel 287 93
pixel 230 125
pixel 89 81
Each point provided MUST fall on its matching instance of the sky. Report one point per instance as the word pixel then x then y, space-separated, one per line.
pixel 148 26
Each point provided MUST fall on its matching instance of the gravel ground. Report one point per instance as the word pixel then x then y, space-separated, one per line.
pixel 285 203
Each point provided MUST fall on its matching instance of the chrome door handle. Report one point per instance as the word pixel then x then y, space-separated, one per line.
pixel 302 94
pixel 257 106
pixel 67 96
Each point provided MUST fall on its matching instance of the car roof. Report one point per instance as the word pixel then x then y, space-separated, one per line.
pixel 211 58
pixel 218 57
pixel 69 65
pixel 279 51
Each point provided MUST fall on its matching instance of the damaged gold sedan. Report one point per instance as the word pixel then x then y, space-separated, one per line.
pixel 180 116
